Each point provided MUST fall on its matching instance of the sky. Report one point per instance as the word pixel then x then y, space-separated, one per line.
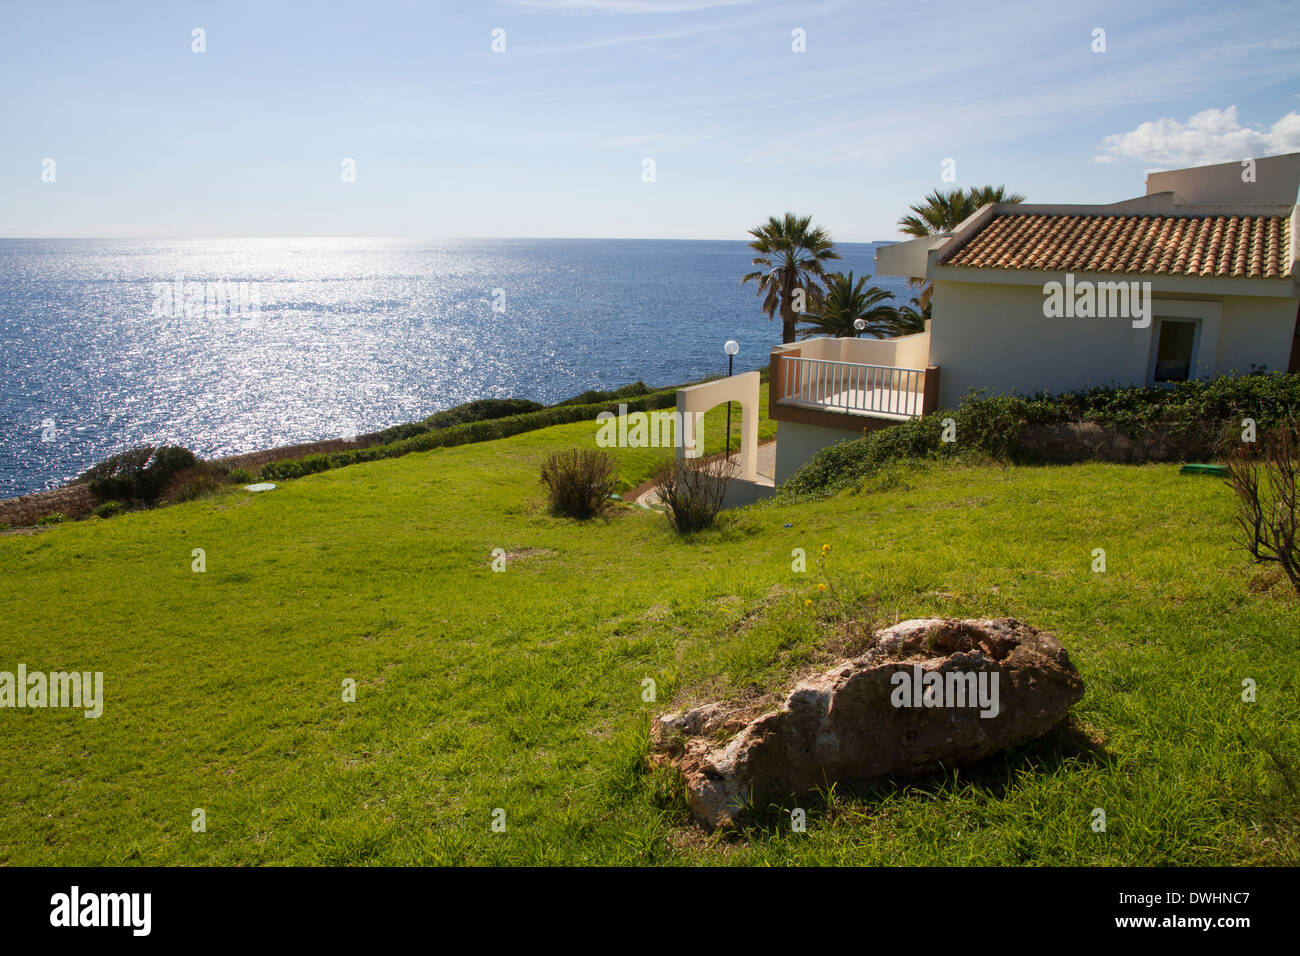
pixel 550 133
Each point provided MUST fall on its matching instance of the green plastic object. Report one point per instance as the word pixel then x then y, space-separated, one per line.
pixel 1218 470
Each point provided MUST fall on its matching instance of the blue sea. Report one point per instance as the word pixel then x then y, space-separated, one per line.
pixel 293 340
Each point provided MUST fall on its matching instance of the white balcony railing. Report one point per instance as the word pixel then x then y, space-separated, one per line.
pixel 853 388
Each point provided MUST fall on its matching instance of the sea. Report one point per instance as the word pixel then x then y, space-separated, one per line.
pixel 234 345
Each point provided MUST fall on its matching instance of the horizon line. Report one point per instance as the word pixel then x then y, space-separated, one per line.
pixel 165 238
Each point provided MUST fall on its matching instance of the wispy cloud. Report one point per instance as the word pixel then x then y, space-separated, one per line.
pixel 600 43
pixel 660 142
pixel 1210 136
pixel 629 6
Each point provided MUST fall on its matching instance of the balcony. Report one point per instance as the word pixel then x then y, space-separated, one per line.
pixel 853 384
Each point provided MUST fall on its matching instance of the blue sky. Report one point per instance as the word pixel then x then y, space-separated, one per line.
pixel 549 137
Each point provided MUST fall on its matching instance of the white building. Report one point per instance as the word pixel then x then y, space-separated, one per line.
pixel 1199 277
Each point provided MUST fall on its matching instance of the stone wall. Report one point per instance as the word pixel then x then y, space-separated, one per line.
pixel 1089 441
pixel 72 501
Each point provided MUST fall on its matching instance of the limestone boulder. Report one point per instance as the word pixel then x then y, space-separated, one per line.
pixel 926 692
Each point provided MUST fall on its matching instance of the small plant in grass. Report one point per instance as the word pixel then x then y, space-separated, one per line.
pixel 826 586
pixel 838 602
pixel 109 508
pixel 1265 481
pixel 692 491
pixel 191 483
pixel 579 481
pixel 54 517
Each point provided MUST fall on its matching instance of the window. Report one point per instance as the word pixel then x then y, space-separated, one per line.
pixel 1175 350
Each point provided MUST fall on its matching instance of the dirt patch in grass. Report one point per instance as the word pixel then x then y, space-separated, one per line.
pixel 518 554
pixel 5 532
pixel 1269 580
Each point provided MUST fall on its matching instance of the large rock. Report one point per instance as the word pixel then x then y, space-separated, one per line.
pixel 926 692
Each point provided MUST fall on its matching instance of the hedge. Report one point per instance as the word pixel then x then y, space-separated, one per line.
pixel 467 433
pixel 1200 412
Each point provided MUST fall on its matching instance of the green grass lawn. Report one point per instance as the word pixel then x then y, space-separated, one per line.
pixel 522 690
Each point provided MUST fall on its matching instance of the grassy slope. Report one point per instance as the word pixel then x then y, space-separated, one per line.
pixel 522 690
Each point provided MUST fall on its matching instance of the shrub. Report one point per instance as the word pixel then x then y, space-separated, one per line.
pixel 482 409
pixel 1265 481
pixel 138 474
pixel 579 481
pixel 54 517
pixel 281 470
pixel 191 483
pixel 110 508
pixel 692 491
pixel 593 396
pixel 239 476
pixel 118 475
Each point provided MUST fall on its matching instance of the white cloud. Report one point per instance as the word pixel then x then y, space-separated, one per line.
pixel 1210 136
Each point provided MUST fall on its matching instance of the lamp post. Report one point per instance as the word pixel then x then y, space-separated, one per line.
pixel 731 347
pixel 860 325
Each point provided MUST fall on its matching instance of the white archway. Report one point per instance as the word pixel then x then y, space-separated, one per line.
pixel 695 400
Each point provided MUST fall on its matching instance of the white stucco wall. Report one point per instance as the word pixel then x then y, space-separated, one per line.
pixel 995 336
pixel 1254 329
pixel 795 444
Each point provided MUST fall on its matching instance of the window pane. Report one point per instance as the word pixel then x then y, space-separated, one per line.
pixel 1174 352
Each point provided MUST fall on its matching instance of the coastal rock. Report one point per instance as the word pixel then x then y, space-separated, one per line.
pixel 926 692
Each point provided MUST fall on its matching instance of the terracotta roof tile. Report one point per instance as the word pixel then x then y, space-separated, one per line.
pixel 1252 247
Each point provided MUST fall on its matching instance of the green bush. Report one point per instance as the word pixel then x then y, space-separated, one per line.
pixel 239 476
pixel 110 508
pixel 594 396
pixel 1198 414
pixel 191 483
pixel 579 481
pixel 280 470
pixel 692 491
pixel 54 517
pixel 482 409
pixel 138 474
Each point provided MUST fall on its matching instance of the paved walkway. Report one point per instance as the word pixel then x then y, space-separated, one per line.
pixel 765 468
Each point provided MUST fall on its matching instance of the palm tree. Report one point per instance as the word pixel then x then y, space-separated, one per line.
pixel 908 320
pixel 844 302
pixel 944 211
pixel 792 253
